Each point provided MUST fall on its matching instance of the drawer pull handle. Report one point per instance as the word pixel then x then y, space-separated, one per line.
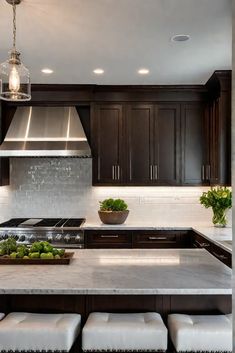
pixel 113 172
pixel 157 238
pixel 109 236
pixel 202 245
pixel 221 257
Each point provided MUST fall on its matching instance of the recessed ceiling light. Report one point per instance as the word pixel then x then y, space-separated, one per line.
pixel 143 71
pixel 180 38
pixel 98 71
pixel 47 71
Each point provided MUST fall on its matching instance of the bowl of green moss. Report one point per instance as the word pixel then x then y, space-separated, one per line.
pixel 113 211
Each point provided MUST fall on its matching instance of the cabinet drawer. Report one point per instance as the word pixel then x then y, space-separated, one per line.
pixel 156 240
pixel 108 239
pixel 222 255
pixel 201 242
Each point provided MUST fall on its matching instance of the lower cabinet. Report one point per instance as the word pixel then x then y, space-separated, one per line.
pixel 160 239
pixel 109 239
pixel 153 239
pixel 224 256
pixel 118 239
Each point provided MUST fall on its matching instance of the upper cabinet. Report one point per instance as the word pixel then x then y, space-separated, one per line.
pixel 107 128
pixel 139 121
pixel 166 144
pixel 149 144
pixel 219 115
pixel 147 135
pixel 194 167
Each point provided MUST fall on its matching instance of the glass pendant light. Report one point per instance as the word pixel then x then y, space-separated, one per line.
pixel 14 76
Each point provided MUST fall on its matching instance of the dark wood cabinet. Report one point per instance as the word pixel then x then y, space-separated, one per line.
pixel 136 144
pixel 108 239
pixel 147 135
pixel 222 255
pixel 198 241
pixel 107 143
pixel 219 115
pixel 140 137
pixel 153 239
pixel 166 143
pixel 194 147
pixel 160 239
pixel 137 239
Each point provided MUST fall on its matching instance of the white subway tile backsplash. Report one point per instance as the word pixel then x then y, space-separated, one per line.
pixel 44 187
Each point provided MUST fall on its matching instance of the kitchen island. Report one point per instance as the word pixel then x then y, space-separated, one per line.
pixel 163 280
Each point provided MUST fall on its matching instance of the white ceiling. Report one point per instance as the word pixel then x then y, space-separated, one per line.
pixel 73 37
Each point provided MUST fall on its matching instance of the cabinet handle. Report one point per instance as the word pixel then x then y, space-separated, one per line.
pixel 157 238
pixel 151 172
pixel 118 172
pixel 203 172
pixel 208 172
pixel 221 257
pixel 113 172
pixel 156 172
pixel 202 245
pixel 109 236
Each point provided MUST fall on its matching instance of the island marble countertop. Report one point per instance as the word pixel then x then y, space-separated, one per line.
pixel 125 271
pixel 219 236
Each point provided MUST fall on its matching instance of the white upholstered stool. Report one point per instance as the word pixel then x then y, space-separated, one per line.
pixel 124 332
pixel 39 332
pixel 1 316
pixel 201 333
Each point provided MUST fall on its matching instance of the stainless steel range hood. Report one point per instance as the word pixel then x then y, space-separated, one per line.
pixel 45 132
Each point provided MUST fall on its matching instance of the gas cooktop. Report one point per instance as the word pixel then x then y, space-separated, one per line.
pixel 43 222
pixel 61 232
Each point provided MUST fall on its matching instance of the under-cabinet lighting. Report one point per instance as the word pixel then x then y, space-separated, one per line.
pixel 140 261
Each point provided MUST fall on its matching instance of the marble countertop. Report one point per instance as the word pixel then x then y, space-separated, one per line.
pixel 219 236
pixel 126 271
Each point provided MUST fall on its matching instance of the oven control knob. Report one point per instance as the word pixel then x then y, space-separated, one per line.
pixel 32 238
pixel 5 236
pixel 78 238
pixel 22 238
pixel 14 236
pixel 67 238
pixel 58 237
pixel 50 238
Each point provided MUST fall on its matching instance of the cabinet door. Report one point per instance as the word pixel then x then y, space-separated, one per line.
pixel 166 144
pixel 194 169
pixel 160 239
pixel 104 239
pixel 139 119
pixel 222 255
pixel 107 143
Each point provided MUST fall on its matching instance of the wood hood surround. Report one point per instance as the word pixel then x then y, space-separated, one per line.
pixel 146 135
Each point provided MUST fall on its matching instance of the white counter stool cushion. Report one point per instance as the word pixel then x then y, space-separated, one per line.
pixel 1 316
pixel 197 333
pixel 124 332
pixel 39 332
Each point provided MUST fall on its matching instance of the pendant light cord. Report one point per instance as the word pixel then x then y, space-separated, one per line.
pixel 14 25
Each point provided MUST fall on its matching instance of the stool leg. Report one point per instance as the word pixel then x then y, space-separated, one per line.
pixel 77 346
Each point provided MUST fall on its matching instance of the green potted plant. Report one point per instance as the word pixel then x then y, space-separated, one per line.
pixel 220 200
pixel 113 211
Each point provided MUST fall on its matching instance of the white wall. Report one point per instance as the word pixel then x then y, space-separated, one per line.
pixel 62 188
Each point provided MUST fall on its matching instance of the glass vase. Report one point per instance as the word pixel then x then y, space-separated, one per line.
pixel 219 217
